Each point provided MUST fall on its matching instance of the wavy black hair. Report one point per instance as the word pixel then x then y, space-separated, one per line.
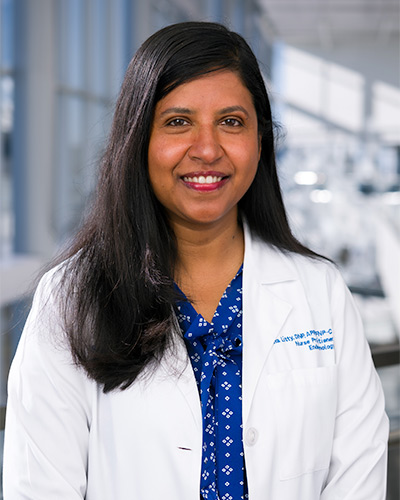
pixel 117 288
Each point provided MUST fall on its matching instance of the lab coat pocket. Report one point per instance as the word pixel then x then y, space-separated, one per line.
pixel 304 406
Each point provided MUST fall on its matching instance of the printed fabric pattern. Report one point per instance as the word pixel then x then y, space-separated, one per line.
pixel 215 351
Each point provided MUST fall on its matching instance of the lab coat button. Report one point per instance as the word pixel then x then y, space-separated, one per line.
pixel 251 436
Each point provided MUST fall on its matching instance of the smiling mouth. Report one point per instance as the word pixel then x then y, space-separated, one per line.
pixel 201 179
pixel 205 183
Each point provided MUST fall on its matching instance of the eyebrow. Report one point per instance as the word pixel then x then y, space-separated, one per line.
pixel 187 111
pixel 183 111
pixel 233 109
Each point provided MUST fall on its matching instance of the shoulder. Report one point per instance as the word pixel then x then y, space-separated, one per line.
pixel 43 354
pixel 44 332
pixel 54 285
pixel 308 284
pixel 271 264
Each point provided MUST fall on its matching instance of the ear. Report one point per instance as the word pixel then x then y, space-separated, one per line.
pixel 259 146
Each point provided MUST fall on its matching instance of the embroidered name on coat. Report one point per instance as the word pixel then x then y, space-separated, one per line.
pixel 320 340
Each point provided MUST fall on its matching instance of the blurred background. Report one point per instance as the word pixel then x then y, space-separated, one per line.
pixel 332 68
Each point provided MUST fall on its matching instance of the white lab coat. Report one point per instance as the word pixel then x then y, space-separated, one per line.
pixel 314 421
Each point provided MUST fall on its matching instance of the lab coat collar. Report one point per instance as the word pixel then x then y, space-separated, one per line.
pixel 266 263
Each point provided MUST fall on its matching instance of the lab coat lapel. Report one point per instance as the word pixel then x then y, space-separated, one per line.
pixel 264 312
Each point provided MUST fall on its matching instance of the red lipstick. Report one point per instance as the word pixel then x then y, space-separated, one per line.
pixel 205 181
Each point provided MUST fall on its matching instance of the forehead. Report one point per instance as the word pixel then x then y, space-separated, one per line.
pixel 220 88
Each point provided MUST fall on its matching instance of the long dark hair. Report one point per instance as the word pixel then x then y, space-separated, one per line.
pixel 117 288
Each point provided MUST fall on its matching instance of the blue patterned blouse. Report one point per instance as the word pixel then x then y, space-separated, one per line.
pixel 215 351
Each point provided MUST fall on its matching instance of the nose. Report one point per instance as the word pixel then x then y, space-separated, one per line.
pixel 205 145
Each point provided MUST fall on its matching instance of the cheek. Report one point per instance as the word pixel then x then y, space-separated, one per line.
pixel 158 165
pixel 165 152
pixel 250 166
pixel 249 155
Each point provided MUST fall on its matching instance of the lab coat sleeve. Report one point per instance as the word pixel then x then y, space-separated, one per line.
pixel 48 411
pixel 359 455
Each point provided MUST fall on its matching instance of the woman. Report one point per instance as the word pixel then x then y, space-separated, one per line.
pixel 144 372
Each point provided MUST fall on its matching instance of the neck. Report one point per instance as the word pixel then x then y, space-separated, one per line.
pixel 208 258
pixel 208 247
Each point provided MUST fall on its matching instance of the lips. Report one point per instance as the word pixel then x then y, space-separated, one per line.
pixel 205 181
pixel 209 179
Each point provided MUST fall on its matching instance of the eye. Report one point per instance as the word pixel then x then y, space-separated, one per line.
pixel 177 122
pixel 232 122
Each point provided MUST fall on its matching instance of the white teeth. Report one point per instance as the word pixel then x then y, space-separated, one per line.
pixel 210 179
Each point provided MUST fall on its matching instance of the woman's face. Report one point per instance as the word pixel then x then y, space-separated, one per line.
pixel 204 149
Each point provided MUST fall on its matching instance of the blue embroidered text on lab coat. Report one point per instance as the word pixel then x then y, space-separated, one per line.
pixel 320 340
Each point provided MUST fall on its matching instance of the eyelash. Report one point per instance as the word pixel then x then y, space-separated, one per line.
pixel 179 122
pixel 238 123
pixel 173 123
